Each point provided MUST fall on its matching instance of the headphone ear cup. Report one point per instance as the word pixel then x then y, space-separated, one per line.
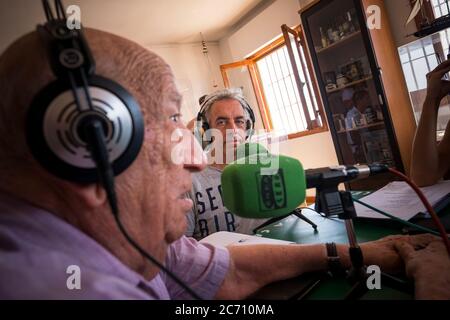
pixel 206 137
pixel 248 125
pixel 249 130
pixel 205 126
pixel 56 141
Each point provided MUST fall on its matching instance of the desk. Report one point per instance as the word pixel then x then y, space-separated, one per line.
pixel 329 229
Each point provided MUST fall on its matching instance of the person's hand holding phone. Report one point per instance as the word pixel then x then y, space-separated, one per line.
pixel 437 87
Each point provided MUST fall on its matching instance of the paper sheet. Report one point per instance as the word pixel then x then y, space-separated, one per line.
pixel 398 199
pixel 224 238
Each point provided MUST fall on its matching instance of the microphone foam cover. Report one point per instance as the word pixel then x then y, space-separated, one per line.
pixel 263 186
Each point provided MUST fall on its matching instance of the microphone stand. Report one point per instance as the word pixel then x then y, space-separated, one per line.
pixel 331 201
pixel 297 212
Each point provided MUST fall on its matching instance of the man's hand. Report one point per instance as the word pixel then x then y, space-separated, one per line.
pixel 437 88
pixel 429 267
pixel 384 254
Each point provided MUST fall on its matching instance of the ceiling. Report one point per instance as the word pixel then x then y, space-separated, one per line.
pixel 148 22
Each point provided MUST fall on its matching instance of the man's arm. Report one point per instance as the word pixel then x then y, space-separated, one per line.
pixel 254 266
pixel 425 155
pixel 444 150
pixel 431 161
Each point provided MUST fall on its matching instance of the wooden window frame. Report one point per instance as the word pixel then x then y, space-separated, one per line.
pixel 267 122
pixel 250 63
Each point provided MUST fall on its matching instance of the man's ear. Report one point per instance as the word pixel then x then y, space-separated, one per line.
pixel 93 195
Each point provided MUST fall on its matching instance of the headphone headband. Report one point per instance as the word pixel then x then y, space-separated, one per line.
pixel 67 51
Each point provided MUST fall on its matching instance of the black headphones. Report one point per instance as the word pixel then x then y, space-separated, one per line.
pixel 60 112
pixel 202 122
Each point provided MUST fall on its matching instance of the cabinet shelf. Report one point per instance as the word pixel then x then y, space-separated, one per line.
pixel 363 127
pixel 350 84
pixel 340 42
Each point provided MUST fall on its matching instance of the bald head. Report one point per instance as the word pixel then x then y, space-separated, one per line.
pixel 24 71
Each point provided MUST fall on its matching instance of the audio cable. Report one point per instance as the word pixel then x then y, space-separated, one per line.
pixel 427 205
pixel 406 223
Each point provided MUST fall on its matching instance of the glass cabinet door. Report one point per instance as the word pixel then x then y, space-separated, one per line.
pixel 355 108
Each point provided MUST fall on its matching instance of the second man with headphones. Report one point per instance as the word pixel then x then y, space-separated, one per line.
pixel 225 121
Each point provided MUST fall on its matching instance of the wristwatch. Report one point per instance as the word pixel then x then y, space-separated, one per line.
pixel 334 261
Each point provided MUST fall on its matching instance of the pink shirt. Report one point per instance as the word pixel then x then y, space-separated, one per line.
pixel 37 248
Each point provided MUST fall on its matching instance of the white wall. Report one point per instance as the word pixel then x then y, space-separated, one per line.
pixel 21 16
pixel 191 72
pixel 260 30
pixel 314 150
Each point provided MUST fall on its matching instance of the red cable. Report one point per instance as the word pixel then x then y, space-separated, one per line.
pixel 427 205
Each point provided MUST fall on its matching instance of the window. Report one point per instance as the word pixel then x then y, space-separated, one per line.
pixel 422 56
pixel 417 60
pixel 284 86
pixel 440 8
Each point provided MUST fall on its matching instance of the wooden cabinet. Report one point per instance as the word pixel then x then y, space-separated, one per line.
pixel 361 84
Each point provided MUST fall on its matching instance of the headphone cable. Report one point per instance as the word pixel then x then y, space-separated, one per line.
pixel 94 131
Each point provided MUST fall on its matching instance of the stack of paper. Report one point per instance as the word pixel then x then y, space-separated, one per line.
pixel 398 199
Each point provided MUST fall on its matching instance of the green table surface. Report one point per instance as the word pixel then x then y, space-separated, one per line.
pixel 321 286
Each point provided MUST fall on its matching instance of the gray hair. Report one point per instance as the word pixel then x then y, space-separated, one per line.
pixel 225 94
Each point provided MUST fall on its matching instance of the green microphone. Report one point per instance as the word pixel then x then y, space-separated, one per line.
pixel 261 185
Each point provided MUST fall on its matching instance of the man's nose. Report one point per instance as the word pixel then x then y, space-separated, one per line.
pixel 232 126
pixel 194 157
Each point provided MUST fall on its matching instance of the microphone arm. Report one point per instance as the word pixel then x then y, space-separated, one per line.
pixel 337 174
pixel 326 180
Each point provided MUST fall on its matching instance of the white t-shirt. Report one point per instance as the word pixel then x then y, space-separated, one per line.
pixel 209 215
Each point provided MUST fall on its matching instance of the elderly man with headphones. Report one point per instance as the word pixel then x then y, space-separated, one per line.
pixel 225 121
pixel 92 206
